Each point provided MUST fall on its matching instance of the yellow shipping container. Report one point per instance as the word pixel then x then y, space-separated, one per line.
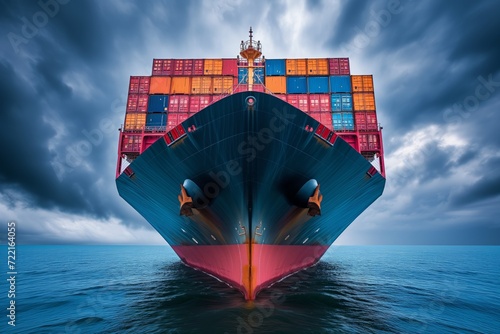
pixel 222 84
pixel 296 67
pixel 362 83
pixel 201 85
pixel 213 67
pixel 276 84
pixel 159 85
pixel 135 121
pixel 317 66
pixel 363 101
pixel 180 85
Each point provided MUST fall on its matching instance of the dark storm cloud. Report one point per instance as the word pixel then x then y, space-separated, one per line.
pixel 26 162
pixel 434 64
pixel 449 46
pixel 61 139
pixel 487 186
pixel 38 105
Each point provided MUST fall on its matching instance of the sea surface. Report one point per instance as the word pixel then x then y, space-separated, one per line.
pixel 354 289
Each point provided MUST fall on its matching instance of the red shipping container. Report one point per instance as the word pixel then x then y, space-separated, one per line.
pixel 188 67
pixel 300 101
pixel 163 66
pixel 217 97
pixel 172 121
pixel 326 119
pixel 183 67
pixel 366 121
pixel 178 104
pixel 281 96
pixel 137 103
pixel 360 121
pixel 182 117
pixel 198 65
pixel 230 67
pixel 142 103
pixel 198 102
pixel 167 67
pixel 303 102
pixel 134 85
pixel 132 102
pixel 178 67
pixel 131 143
pixel 345 68
pixel 369 142
pixel 144 85
pixel 293 99
pixel 339 66
pixel 319 102
pixel 157 64
pixel 371 121
pixel 194 103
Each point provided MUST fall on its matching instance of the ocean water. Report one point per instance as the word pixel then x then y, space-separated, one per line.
pixel 145 289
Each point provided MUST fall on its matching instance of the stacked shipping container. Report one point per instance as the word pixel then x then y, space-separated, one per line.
pixel 321 87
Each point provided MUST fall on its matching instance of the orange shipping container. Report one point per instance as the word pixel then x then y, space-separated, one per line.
pixel 201 85
pixel 317 66
pixel 362 83
pixel 363 101
pixel 276 84
pixel 135 121
pixel 213 67
pixel 180 85
pixel 159 85
pixel 296 67
pixel 222 85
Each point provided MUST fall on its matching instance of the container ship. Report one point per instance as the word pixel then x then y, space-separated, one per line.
pixel 249 167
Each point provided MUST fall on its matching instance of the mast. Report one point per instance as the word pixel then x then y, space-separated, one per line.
pixel 251 51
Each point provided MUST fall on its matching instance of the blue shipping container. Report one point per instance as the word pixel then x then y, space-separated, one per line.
pixel 242 75
pixel 156 119
pixel 158 103
pixel 258 75
pixel 296 85
pixel 275 67
pixel 342 102
pixel 340 84
pixel 317 85
pixel 343 121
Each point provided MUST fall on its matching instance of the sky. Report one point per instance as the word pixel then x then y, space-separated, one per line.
pixel 65 67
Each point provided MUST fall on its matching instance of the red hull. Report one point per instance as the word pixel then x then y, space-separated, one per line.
pixel 231 263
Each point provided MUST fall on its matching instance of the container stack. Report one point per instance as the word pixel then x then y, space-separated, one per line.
pixel 321 87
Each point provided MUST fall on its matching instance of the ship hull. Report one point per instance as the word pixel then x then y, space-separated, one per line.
pixel 249 227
